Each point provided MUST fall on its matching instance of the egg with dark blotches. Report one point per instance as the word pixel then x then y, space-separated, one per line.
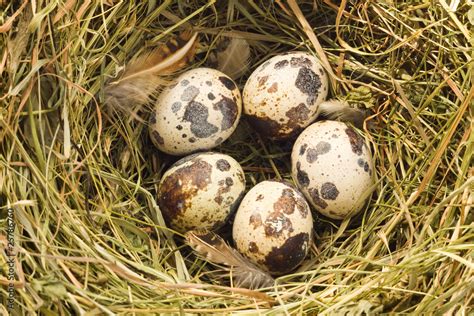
pixel 201 191
pixel 199 111
pixel 282 96
pixel 273 227
pixel 332 167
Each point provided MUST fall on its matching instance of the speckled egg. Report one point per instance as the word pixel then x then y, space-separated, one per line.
pixel 201 191
pixel 332 166
pixel 282 96
pixel 199 111
pixel 273 227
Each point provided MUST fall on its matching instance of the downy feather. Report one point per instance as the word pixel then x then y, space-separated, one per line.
pixel 214 249
pixel 342 111
pixel 144 75
pixel 234 59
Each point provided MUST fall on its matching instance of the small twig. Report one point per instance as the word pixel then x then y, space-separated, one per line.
pixel 442 148
pixel 5 27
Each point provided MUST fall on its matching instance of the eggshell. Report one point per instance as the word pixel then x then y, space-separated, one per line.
pixel 198 112
pixel 273 227
pixel 201 191
pixel 282 95
pixel 332 166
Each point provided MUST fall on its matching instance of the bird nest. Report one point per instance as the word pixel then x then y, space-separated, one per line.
pixel 81 230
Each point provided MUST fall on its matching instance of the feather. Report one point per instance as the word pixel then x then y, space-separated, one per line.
pixel 214 249
pixel 233 58
pixel 342 111
pixel 144 75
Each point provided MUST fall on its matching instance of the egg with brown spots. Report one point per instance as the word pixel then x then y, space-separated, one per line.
pixel 282 96
pixel 199 111
pixel 273 227
pixel 201 191
pixel 332 166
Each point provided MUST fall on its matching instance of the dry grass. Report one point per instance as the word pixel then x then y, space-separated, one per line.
pixel 89 236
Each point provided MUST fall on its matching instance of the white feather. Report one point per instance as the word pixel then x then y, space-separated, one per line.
pixel 234 60
pixel 342 111
pixel 214 249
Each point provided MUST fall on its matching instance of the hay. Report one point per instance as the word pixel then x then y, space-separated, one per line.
pixel 89 237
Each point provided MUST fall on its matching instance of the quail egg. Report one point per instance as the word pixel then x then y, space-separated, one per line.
pixel 198 112
pixel 273 227
pixel 282 96
pixel 332 166
pixel 201 191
